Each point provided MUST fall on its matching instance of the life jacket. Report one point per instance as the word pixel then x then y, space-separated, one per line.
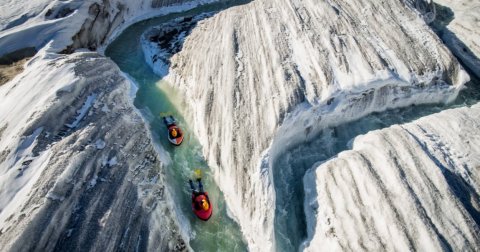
pixel 197 206
pixel 175 140
pixel 175 132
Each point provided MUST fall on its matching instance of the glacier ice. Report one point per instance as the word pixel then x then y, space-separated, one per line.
pixel 408 187
pixel 70 25
pixel 259 78
pixel 84 167
pixel 267 75
pixel 457 24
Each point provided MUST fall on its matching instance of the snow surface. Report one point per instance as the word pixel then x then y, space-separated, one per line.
pixel 57 179
pixel 408 187
pixel 267 75
pixel 284 69
pixel 462 34
pixel 76 23
pixel 68 128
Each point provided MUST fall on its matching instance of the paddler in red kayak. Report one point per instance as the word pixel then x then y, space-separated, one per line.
pixel 200 202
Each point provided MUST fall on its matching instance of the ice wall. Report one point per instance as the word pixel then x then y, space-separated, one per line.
pixel 78 169
pixel 457 24
pixel 13 13
pixel 269 74
pixel 408 187
pixel 110 16
pixel 70 25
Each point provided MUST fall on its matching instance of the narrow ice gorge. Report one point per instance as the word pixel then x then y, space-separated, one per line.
pixel 69 25
pixel 65 159
pixel 408 187
pixel 78 168
pixel 267 75
pixel 424 175
pixel 258 79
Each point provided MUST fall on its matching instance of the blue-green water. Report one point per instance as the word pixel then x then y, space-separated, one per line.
pixel 220 233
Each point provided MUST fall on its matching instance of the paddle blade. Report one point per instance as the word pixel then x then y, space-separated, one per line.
pixel 198 173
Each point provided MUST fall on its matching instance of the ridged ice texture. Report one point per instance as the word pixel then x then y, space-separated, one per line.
pixel 411 187
pixel 78 170
pixel 244 69
pixel 75 24
pixel 462 34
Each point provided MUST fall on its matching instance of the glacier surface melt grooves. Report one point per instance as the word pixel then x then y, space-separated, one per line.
pixel 271 74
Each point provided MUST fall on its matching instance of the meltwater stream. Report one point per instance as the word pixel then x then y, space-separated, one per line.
pixel 291 167
pixel 220 233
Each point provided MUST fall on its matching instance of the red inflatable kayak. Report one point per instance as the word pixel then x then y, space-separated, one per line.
pixel 197 201
pixel 175 140
pixel 175 134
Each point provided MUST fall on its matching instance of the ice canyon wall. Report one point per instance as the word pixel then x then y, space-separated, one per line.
pixel 270 74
